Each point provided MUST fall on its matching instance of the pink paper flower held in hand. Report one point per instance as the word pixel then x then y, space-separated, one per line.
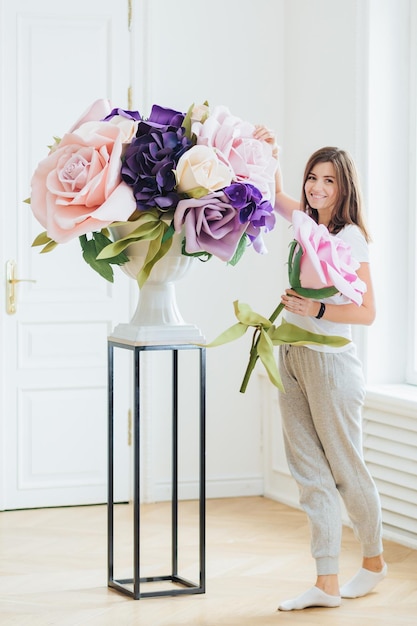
pixel 320 261
pixel 325 261
pixel 319 266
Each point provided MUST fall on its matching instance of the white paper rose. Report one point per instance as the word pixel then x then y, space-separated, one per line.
pixel 199 171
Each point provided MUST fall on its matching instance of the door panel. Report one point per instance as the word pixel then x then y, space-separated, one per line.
pixel 56 58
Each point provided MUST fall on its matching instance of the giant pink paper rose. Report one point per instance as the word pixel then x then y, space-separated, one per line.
pixel 326 260
pixel 98 110
pixel 250 159
pixel 77 188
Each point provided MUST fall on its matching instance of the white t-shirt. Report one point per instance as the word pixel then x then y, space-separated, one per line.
pixel 352 235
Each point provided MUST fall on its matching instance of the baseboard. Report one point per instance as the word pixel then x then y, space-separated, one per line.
pixel 282 487
pixel 215 488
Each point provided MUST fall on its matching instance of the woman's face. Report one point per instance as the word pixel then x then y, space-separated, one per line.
pixel 321 190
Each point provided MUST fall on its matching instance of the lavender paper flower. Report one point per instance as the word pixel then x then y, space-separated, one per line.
pixel 211 225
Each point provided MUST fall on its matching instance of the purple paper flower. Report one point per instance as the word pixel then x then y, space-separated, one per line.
pixel 130 115
pixel 253 209
pixel 163 116
pixel 151 158
pixel 211 225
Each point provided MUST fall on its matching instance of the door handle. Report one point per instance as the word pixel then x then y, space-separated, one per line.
pixel 11 282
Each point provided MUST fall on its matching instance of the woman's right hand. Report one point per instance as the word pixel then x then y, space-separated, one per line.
pixel 265 134
pixel 284 204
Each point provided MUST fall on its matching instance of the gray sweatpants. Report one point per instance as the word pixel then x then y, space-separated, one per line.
pixel 322 424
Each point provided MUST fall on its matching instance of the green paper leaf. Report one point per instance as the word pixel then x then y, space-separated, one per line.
pixel 89 255
pixel 203 256
pixel 44 240
pixel 41 239
pixel 318 294
pixel 170 232
pixel 49 247
pixel 57 140
pixel 187 121
pixel 294 261
pixel 240 250
pixel 91 249
pixel 197 192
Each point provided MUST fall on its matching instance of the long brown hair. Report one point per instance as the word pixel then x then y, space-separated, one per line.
pixel 349 204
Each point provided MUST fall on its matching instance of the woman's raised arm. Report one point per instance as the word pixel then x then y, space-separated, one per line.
pixel 284 204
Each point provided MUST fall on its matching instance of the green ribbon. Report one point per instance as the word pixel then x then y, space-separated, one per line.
pixel 266 336
pixel 150 228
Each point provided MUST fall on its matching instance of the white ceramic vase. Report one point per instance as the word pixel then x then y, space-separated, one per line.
pixel 157 319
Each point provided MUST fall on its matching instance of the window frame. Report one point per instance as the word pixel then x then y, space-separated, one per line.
pixel 411 368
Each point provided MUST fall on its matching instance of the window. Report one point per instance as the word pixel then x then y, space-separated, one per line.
pixel 391 190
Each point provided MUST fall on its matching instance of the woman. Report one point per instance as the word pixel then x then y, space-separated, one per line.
pixel 324 390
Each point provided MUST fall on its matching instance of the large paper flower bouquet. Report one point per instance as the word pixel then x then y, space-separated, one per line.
pixel 320 265
pixel 200 174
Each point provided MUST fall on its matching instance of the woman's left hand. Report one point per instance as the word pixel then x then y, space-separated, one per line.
pixel 299 305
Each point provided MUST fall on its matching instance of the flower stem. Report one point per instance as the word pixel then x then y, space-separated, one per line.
pixel 276 312
pixel 253 357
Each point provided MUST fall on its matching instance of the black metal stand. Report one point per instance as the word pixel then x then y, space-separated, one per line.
pixel 181 585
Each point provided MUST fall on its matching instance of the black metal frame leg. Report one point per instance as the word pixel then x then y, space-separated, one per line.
pixel 184 586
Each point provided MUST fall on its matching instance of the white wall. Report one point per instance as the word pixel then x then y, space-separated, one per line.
pixel 323 80
pixel 227 52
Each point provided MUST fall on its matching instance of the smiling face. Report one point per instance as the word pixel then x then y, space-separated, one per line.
pixel 322 190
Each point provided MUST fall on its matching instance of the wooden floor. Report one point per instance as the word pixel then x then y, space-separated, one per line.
pixel 53 568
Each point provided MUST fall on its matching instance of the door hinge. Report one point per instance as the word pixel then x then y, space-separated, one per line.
pixel 129 14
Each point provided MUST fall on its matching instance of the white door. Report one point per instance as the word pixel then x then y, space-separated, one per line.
pixel 56 58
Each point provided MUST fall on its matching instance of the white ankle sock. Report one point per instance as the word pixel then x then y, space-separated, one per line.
pixel 312 597
pixel 362 583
